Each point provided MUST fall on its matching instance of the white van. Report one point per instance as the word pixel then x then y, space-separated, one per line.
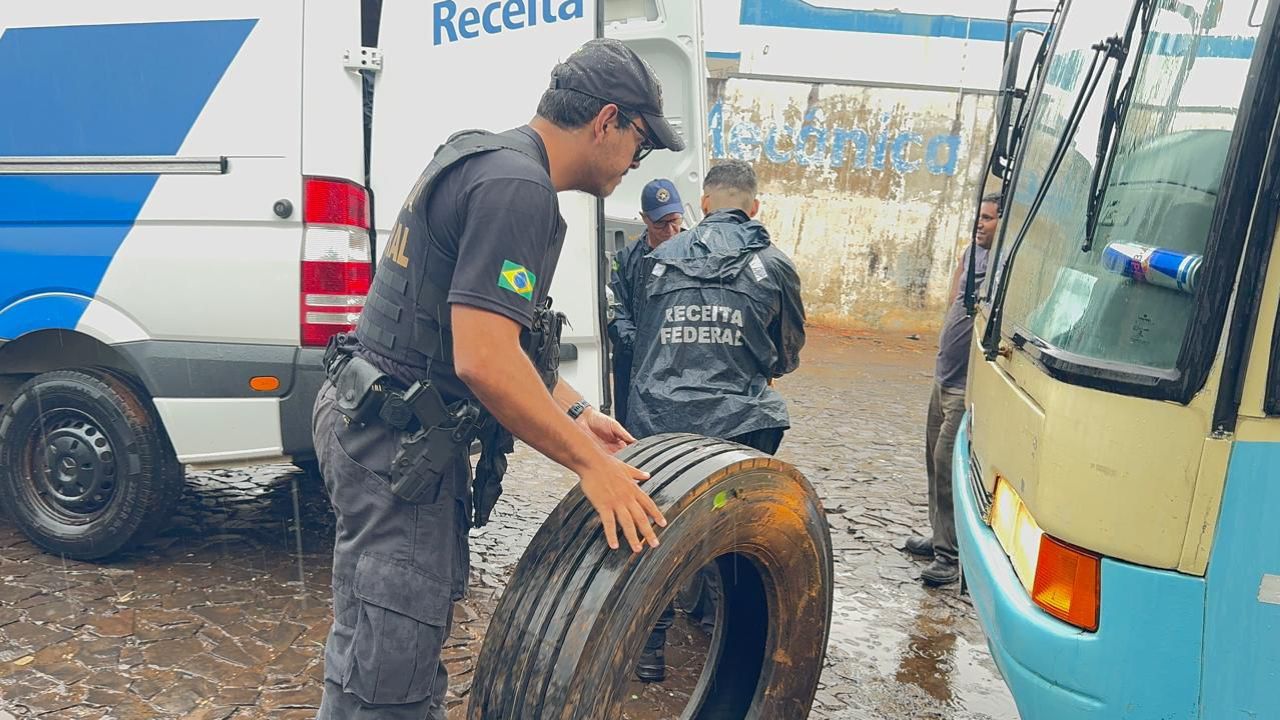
pixel 190 197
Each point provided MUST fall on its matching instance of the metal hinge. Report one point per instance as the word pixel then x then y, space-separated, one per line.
pixel 365 58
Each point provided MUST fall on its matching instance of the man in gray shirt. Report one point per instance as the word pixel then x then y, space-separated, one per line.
pixel 946 406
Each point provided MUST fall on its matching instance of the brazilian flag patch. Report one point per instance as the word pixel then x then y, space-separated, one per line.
pixel 517 279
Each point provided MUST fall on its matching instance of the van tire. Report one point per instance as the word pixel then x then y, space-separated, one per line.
pixel 115 478
pixel 564 638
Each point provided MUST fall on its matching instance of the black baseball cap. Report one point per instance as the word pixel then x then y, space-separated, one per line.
pixel 608 70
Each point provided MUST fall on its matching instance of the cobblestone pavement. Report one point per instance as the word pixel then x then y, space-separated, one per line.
pixel 224 614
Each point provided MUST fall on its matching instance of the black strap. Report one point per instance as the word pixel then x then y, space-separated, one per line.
pixel 971 282
pixel 434 342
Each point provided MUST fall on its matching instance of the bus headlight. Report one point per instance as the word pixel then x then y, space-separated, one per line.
pixel 1017 532
pixel 1062 580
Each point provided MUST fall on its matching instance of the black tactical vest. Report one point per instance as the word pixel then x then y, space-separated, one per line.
pixel 406 315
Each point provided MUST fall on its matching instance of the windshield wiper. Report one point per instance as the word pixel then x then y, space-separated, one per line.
pixel 1117 109
pixel 1102 52
pixel 1114 47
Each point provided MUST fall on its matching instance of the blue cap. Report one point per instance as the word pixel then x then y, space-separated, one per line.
pixel 659 199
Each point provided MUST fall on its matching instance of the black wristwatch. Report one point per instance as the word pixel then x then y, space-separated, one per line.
pixel 578 408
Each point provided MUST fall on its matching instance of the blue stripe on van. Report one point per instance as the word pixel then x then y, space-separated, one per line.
pixel 132 89
pixel 1210 46
pixel 803 15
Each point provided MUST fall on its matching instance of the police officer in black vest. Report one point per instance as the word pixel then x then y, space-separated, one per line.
pixel 458 342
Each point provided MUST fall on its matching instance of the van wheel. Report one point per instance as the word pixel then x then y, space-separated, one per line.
pixel 564 639
pixel 85 467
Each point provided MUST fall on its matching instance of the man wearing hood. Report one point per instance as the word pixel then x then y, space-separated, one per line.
pixel 663 216
pixel 721 318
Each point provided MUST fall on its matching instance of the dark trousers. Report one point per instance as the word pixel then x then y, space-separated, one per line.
pixel 767 440
pixel 946 408
pixel 621 385
pixel 703 594
pixel 398 567
pixel 699 599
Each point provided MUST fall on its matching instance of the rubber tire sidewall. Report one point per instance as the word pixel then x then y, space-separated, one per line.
pixel 564 637
pixel 144 462
pixel 774 531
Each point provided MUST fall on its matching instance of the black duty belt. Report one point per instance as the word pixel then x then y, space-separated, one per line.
pixel 434 435
pixel 365 393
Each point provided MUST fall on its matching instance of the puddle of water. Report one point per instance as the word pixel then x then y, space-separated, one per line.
pixel 919 642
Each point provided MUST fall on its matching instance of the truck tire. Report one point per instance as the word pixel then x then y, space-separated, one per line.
pixel 565 636
pixel 85 466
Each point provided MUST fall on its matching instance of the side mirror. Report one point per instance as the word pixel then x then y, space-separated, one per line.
pixel 1019 67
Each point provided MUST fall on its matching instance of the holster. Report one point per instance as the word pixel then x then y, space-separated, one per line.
pixel 542 342
pixel 496 443
pixel 433 435
pixel 444 436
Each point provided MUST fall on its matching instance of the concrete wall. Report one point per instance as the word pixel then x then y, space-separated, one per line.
pixel 869 131
pixel 869 190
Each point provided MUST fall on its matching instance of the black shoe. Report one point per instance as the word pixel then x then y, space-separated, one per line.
pixel 920 546
pixel 941 572
pixel 651 667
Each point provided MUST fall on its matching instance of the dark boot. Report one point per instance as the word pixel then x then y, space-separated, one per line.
pixel 652 666
pixel 942 571
pixel 920 546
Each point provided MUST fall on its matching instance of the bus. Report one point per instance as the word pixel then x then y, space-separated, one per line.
pixel 1113 478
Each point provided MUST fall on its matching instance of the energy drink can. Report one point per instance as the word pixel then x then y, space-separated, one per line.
pixel 1154 266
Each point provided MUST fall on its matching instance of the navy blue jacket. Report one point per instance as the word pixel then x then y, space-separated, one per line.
pixel 721 316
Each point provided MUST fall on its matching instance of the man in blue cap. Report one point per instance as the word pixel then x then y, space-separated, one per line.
pixel 663 216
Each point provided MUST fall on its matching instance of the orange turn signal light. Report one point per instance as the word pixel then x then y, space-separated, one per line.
pixel 265 383
pixel 1067 583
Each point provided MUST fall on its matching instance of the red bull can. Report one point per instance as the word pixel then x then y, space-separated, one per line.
pixel 1153 266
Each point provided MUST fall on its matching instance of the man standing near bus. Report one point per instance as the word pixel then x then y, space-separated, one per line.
pixel 946 406
pixel 457 335
pixel 663 216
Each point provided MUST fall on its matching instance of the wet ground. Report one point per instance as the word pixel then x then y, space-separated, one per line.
pixel 224 614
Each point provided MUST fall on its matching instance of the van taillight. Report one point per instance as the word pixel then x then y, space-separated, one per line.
pixel 337 265
pixel 335 202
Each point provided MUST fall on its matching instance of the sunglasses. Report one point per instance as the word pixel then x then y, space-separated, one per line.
pixel 647 144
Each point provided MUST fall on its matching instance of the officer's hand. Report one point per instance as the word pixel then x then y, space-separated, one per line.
pixel 608 433
pixel 612 487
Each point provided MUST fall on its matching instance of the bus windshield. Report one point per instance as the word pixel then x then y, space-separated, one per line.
pixel 1129 298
